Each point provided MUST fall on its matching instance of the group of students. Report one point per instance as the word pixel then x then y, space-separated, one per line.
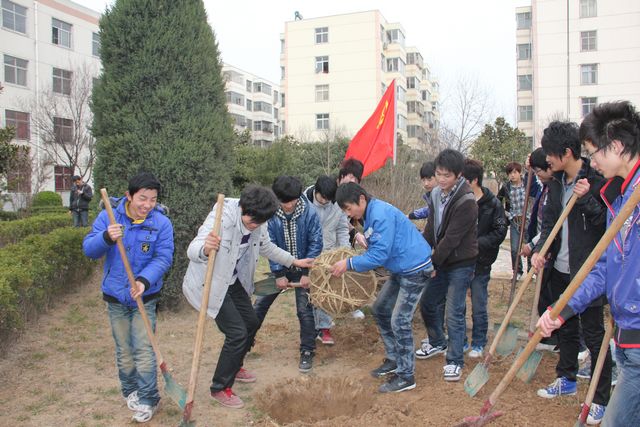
pixel 435 269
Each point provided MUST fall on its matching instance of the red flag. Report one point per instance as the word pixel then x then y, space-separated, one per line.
pixel 375 141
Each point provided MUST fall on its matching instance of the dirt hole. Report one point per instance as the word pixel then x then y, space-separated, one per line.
pixel 309 400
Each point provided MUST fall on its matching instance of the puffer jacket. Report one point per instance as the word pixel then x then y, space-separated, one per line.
pixel 334 222
pixel 149 248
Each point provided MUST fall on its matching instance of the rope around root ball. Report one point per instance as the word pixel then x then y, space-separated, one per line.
pixel 339 295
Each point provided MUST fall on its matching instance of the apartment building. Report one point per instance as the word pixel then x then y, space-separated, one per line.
pixel 254 104
pixel 573 55
pixel 46 47
pixel 336 68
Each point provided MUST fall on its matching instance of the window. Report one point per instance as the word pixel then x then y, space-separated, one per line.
pixel 382 62
pixel 523 20
pixel 322 64
pixel 14 17
pixel 525 113
pixel 275 113
pixel 588 41
pixel 262 106
pixel 262 87
pixel 524 51
pixel 62 175
pixel 60 33
pixel 15 70
pixel 282 97
pixel 235 98
pixel 415 107
pixel 276 96
pixel 401 94
pixel 322 93
pixel 95 44
pixel 239 120
pixel 425 95
pixel 402 122
pixel 249 85
pixel 19 172
pixel 249 105
pixel 63 130
pixel 395 64
pixel 282 73
pixel 588 8
pixel 263 126
pixel 395 36
pixel 20 122
pixel 588 104
pixel 281 45
pixel 413 83
pixel 524 82
pixel 589 74
pixel 322 121
pixel 322 35
pixel 62 81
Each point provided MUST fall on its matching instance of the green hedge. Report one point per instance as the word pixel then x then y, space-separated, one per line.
pixel 46 198
pixel 14 231
pixel 46 210
pixel 36 270
pixel 8 216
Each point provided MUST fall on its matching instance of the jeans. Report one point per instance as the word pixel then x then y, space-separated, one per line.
pixel 304 310
pixel 239 324
pixel 323 320
pixel 479 298
pixel 80 218
pixel 449 288
pixel 393 311
pixel 135 358
pixel 624 407
pixel 514 237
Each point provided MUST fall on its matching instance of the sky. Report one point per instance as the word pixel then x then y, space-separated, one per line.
pixel 459 39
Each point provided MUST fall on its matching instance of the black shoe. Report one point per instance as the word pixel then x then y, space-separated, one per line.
pixel 387 367
pixel 306 361
pixel 397 384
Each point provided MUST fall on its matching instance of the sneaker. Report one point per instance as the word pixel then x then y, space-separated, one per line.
pixel 427 350
pixel 397 384
pixel 132 401
pixel 306 361
pixel 244 376
pixel 387 367
pixel 519 277
pixel 560 387
pixel 582 356
pixel 596 412
pixel 452 372
pixel 144 413
pixel 475 353
pixel 465 347
pixel 547 347
pixel 585 370
pixel 325 337
pixel 227 398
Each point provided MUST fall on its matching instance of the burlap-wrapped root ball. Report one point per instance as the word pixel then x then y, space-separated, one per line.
pixel 339 295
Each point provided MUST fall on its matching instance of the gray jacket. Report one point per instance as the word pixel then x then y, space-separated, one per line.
pixel 227 257
pixel 334 222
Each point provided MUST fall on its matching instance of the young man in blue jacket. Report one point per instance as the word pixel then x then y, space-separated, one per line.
pixel 148 235
pixel 295 227
pixel 428 179
pixel 394 243
pixel 611 136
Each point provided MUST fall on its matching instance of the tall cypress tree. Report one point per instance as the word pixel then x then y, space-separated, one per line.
pixel 159 106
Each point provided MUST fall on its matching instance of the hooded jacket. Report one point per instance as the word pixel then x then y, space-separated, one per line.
pixel 334 222
pixel 492 227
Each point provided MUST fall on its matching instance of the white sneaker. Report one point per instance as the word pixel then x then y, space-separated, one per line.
pixel 452 372
pixel 582 356
pixel 144 413
pixel 358 314
pixel 132 401
pixel 427 350
pixel 475 353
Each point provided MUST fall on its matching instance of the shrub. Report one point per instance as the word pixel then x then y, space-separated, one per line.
pixel 14 231
pixel 8 216
pixel 36 270
pixel 46 198
pixel 46 210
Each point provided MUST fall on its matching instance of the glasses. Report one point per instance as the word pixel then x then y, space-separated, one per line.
pixel 590 155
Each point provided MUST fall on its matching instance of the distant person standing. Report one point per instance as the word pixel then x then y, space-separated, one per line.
pixel 79 198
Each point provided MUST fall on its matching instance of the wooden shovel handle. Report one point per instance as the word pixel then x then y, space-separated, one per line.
pixel 595 378
pixel 202 316
pixel 132 279
pixel 534 306
pixel 521 234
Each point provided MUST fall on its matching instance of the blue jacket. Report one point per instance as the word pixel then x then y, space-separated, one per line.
pixel 149 248
pixel 394 242
pixel 423 212
pixel 617 273
pixel 308 237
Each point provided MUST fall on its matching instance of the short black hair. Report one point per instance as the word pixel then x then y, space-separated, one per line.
pixel 143 180
pixel 559 137
pixel 350 192
pixel 451 160
pixel 351 166
pixel 473 170
pixel 258 202
pixel 75 178
pixel 613 121
pixel 326 187
pixel 287 188
pixel 538 159
pixel 428 170
pixel 513 166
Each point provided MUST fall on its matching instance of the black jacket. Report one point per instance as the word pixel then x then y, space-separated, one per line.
pixel 492 227
pixel 80 201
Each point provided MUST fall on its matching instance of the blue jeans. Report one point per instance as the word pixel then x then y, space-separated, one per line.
pixel 514 237
pixel 393 311
pixel 323 320
pixel 135 358
pixel 624 406
pixel 479 298
pixel 80 218
pixel 448 288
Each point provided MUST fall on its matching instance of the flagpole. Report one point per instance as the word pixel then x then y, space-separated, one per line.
pixel 395 122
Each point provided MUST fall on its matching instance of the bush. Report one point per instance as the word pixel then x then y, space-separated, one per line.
pixel 8 216
pixel 46 210
pixel 36 270
pixel 46 198
pixel 14 231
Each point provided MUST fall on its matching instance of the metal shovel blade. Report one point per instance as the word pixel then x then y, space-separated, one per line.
pixel 476 379
pixel 528 370
pixel 266 286
pixel 174 390
pixel 508 341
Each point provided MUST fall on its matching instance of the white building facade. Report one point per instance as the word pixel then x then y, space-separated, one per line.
pixel 336 68
pixel 573 55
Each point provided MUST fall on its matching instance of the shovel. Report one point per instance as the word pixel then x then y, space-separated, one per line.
pixel 595 378
pixel 529 368
pixel 480 374
pixel 202 317
pixel 267 286
pixel 172 388
pixel 486 415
